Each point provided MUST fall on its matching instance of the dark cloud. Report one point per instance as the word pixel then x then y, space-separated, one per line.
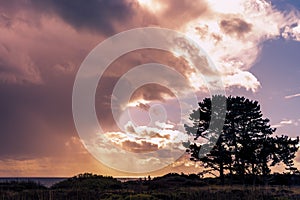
pixel 99 15
pixel 104 16
pixel 18 70
pixel 143 106
pixel 235 26
pixel 185 8
pixel 157 135
pixel 12 6
pixel 5 21
pixel 128 61
pixel 150 92
pixel 35 120
pixel 103 103
pixel 139 147
pixel 111 16
pixel 37 71
pixel 36 116
pixel 202 31
pixel 130 129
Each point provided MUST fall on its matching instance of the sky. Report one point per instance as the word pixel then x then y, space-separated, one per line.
pixel 253 44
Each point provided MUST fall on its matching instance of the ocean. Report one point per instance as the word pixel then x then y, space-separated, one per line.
pixel 48 182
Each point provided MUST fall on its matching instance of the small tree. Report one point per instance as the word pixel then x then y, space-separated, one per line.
pixel 244 145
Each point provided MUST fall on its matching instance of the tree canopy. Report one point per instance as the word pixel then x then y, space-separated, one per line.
pixel 245 145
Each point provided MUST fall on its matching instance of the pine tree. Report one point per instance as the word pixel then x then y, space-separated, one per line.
pixel 243 144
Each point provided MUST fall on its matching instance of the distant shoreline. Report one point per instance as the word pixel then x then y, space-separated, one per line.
pixel 49 181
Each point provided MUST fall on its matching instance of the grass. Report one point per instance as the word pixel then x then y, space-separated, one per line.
pixel 213 192
pixel 171 186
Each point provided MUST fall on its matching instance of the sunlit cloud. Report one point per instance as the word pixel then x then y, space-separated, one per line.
pixel 233 33
pixel 293 31
pixel 286 122
pixel 137 146
pixel 154 6
pixel 292 96
pixel 247 79
pixel 186 162
pixel 142 103
pixel 142 137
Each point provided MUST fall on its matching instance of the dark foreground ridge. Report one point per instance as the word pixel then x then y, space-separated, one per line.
pixel 171 186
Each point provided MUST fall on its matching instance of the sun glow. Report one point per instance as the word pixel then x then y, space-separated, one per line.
pixel 231 6
pixel 152 5
pixel 138 102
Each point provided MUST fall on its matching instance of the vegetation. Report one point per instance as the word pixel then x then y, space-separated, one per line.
pixel 89 182
pixel 171 186
pixel 244 145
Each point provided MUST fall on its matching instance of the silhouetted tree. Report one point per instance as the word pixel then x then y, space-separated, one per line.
pixel 214 154
pixel 286 149
pixel 244 144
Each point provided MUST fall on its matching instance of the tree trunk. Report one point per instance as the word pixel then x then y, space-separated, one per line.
pixel 222 173
pixel 265 166
pixel 253 174
pixel 230 172
pixel 243 171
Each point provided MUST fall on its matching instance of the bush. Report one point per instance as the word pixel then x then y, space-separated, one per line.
pixel 140 197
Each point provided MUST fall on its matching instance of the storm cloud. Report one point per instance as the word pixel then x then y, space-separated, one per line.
pixel 43 43
pixel 96 15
